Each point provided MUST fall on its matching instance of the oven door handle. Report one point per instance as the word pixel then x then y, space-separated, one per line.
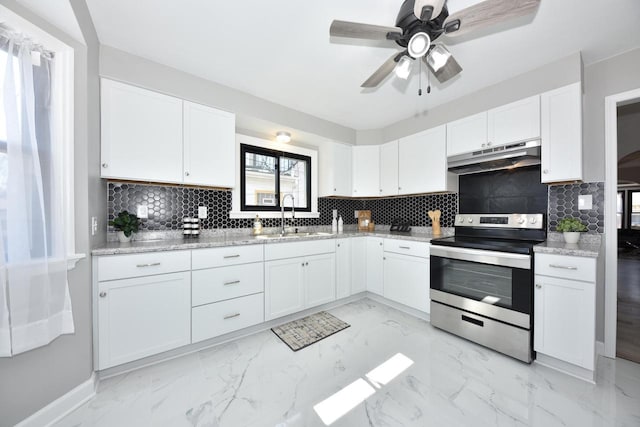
pixel 504 259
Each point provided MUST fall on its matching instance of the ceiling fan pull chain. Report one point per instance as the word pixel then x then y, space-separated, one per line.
pixel 420 78
pixel 428 81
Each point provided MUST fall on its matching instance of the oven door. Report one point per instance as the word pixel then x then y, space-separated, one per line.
pixel 498 285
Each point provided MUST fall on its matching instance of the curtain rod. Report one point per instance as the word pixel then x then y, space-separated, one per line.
pixel 19 38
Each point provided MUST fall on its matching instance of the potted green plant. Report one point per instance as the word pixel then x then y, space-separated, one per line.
pixel 126 224
pixel 571 228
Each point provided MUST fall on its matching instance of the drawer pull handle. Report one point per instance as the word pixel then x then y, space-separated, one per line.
pixel 231 256
pixel 231 316
pixel 538 286
pixel 235 282
pixel 472 320
pixel 564 267
pixel 151 264
pixel 404 247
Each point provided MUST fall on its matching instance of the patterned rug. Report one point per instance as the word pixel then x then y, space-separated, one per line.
pixel 301 333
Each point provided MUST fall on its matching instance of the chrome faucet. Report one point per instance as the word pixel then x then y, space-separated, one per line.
pixel 293 209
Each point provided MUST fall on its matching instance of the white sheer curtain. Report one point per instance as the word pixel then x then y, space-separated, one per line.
pixel 35 307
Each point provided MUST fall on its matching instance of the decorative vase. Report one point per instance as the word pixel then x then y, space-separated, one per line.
pixel 571 236
pixel 123 238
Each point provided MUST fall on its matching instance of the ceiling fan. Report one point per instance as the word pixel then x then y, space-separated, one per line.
pixel 420 23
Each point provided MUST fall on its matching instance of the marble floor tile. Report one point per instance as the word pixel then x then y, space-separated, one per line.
pixel 425 377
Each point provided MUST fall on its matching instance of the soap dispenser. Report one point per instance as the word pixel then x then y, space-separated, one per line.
pixel 340 225
pixel 334 222
pixel 257 226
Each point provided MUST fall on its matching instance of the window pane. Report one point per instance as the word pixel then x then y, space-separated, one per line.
pixel 294 174
pixel 260 180
pixel 619 209
pixel 635 209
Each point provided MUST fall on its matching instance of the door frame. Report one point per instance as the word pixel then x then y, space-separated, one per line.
pixel 612 103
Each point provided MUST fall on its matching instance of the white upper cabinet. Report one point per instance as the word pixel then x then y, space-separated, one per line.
pixel 366 170
pixel 423 163
pixel 561 125
pixel 467 134
pixel 209 146
pixel 148 136
pixel 389 169
pixel 141 134
pixel 334 170
pixel 515 122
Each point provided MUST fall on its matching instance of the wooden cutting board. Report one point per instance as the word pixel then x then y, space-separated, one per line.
pixel 364 219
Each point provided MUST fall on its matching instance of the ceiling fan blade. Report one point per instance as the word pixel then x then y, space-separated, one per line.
pixel 426 10
pixel 356 30
pixel 487 13
pixel 442 64
pixel 381 73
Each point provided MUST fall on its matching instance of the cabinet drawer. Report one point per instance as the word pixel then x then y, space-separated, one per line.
pixel 566 267
pixel 223 283
pixel 407 247
pixel 298 249
pixel 228 255
pixel 219 318
pixel 113 267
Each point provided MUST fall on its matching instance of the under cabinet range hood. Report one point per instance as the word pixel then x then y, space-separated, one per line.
pixel 504 157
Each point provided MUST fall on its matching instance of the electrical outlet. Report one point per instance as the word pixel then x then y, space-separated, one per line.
pixel 202 212
pixel 356 213
pixel 585 202
pixel 94 225
pixel 335 214
pixel 143 212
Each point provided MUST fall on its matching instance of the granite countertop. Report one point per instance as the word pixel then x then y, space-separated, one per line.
pixel 588 246
pixel 114 248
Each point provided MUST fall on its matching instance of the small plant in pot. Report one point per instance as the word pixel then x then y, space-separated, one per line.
pixel 571 228
pixel 126 224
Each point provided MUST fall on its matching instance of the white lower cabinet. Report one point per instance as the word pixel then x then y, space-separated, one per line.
pixel 142 316
pixel 358 264
pixel 406 280
pixel 294 284
pixel 222 317
pixel 374 267
pixel 343 268
pixel 564 309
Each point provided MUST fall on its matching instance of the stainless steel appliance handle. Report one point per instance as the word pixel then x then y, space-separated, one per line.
pixel 564 267
pixel 504 259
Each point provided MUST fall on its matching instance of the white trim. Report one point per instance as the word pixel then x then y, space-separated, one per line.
pixel 63 405
pixel 611 234
pixel 568 368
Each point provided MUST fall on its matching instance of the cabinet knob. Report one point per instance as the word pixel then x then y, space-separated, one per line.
pixel 303 264
pixel 538 286
pixel 545 171
pixel 384 258
pixel 103 294
pixel 380 243
pixel 186 174
pixel 484 145
pixel 105 165
pixel 338 244
pixel 399 188
pixel 335 189
pixel 489 144
pixel 306 263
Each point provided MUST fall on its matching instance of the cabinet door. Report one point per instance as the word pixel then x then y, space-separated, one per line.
pixel 375 269
pixel 467 135
pixel 564 320
pixel 334 170
pixel 343 268
pixel 283 287
pixel 366 171
pixel 423 163
pixel 406 280
pixel 320 279
pixel 209 146
pixel 141 134
pixel 515 122
pixel 358 264
pixel 142 316
pixel 561 125
pixel 389 169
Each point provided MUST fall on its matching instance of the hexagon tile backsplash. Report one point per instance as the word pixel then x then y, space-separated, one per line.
pixel 167 206
pixel 563 202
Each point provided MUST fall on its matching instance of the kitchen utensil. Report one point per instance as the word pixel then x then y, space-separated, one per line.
pixel 435 221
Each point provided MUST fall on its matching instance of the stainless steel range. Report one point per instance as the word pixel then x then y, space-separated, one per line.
pixel 482 280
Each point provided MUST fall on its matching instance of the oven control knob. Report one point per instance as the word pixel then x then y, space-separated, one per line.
pixel 521 221
pixel 461 220
pixel 470 220
pixel 532 220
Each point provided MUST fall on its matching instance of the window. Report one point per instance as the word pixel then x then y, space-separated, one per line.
pixel 267 176
pixel 620 209
pixel 635 210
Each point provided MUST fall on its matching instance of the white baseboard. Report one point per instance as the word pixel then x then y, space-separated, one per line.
pixel 62 406
pixel 568 368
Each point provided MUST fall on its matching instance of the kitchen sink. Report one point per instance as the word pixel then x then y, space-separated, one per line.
pixel 292 235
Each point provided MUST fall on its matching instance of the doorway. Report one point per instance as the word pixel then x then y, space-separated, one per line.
pixel 628 230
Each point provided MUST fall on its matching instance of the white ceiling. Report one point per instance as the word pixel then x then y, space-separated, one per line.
pixel 280 50
pixel 59 13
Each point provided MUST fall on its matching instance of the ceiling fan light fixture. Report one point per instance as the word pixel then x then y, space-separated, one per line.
pixel 283 137
pixel 403 69
pixel 442 64
pixel 419 45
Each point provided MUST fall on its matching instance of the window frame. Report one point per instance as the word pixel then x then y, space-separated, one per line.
pixel 277 154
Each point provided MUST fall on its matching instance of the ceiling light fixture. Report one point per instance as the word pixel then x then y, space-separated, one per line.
pixel 442 64
pixel 283 137
pixel 403 69
pixel 419 45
